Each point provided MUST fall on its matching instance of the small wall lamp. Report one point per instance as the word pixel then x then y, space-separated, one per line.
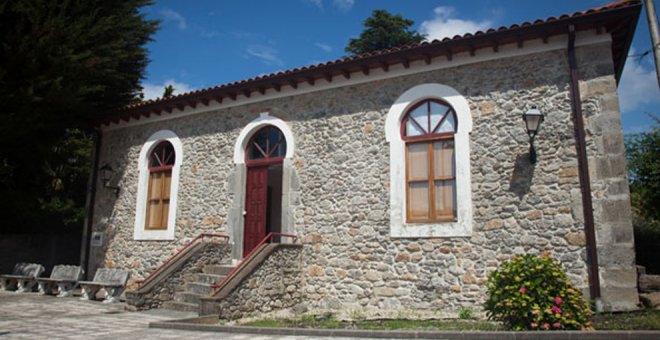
pixel 533 119
pixel 106 176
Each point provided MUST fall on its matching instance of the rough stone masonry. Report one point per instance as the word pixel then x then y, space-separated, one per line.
pixel 341 208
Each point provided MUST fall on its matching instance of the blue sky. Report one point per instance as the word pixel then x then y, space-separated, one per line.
pixel 204 43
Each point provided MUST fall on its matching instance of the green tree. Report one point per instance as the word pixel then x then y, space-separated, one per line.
pixel 643 156
pixel 62 62
pixel 168 91
pixel 383 30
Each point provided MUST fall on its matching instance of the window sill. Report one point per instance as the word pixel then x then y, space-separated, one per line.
pixel 154 235
pixel 431 230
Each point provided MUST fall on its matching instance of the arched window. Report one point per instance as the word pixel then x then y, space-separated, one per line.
pixel 428 130
pixel 267 145
pixel 161 163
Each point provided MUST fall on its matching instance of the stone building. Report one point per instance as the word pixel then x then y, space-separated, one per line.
pixel 404 173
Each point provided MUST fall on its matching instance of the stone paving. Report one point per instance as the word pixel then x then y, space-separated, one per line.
pixel 33 316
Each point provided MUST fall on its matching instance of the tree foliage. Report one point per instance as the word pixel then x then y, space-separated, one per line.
pixel 383 30
pixel 168 91
pixel 643 156
pixel 61 62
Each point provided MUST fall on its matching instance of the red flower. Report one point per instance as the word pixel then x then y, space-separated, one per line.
pixel 556 325
pixel 558 300
pixel 523 290
pixel 546 325
pixel 556 309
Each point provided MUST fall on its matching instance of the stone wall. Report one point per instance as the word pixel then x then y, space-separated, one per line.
pixel 341 167
pixel 609 182
pixel 210 253
pixel 275 284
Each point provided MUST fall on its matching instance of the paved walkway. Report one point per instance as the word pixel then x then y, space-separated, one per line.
pixel 33 316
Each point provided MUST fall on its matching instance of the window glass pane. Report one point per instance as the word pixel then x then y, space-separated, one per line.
pixel 280 150
pixel 155 185
pixel 154 160
pixel 445 199
pixel 448 125
pixel 412 129
pixel 273 138
pixel 166 186
pixel 418 200
pixel 267 140
pixel 164 214
pixel 437 112
pixel 254 153
pixel 169 154
pixel 153 220
pixel 162 155
pixel 418 161
pixel 443 159
pixel 420 114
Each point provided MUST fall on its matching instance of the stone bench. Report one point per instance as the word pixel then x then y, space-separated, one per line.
pixel 22 277
pixel 113 281
pixel 63 277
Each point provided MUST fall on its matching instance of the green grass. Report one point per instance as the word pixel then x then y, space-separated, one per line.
pixel 648 319
pixel 641 320
pixel 329 322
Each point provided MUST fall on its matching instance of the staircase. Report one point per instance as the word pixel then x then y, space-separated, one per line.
pixel 187 300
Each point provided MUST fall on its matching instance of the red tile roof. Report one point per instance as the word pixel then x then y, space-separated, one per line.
pixel 618 18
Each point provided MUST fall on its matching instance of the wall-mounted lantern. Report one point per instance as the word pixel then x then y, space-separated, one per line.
pixel 106 176
pixel 533 119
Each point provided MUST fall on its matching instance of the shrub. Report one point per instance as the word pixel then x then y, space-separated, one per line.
pixel 465 314
pixel 533 293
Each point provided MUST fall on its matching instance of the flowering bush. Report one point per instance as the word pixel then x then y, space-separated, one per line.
pixel 533 293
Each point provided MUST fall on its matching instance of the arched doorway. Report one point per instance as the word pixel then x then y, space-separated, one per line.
pixel 264 156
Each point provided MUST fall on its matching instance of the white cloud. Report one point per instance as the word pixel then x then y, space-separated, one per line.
pixel 444 24
pixel 171 15
pixel 323 46
pixel 343 5
pixel 317 3
pixel 267 54
pixel 638 86
pixel 153 91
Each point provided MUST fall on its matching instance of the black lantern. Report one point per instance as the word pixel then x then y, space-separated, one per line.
pixel 533 119
pixel 106 176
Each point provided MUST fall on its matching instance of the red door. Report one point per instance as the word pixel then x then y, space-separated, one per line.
pixel 255 207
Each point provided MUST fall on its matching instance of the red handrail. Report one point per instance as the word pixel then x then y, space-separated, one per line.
pixel 199 237
pixel 240 265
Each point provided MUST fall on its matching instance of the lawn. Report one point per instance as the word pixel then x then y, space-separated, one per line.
pixel 640 320
pixel 648 319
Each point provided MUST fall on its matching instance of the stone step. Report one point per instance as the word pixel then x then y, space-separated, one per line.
pixel 199 288
pixel 208 278
pixel 218 269
pixel 181 306
pixel 187 297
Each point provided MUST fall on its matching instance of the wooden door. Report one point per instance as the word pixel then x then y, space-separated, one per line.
pixel 256 202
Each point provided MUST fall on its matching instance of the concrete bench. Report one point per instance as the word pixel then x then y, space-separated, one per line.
pixel 63 277
pixel 113 281
pixel 22 277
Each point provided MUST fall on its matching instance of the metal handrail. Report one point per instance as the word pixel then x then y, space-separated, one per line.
pixel 243 261
pixel 188 245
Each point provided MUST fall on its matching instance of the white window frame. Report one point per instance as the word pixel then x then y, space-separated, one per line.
pixel 264 119
pixel 399 227
pixel 140 232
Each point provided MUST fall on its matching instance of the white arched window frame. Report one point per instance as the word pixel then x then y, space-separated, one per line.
pixel 262 121
pixel 398 225
pixel 139 231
